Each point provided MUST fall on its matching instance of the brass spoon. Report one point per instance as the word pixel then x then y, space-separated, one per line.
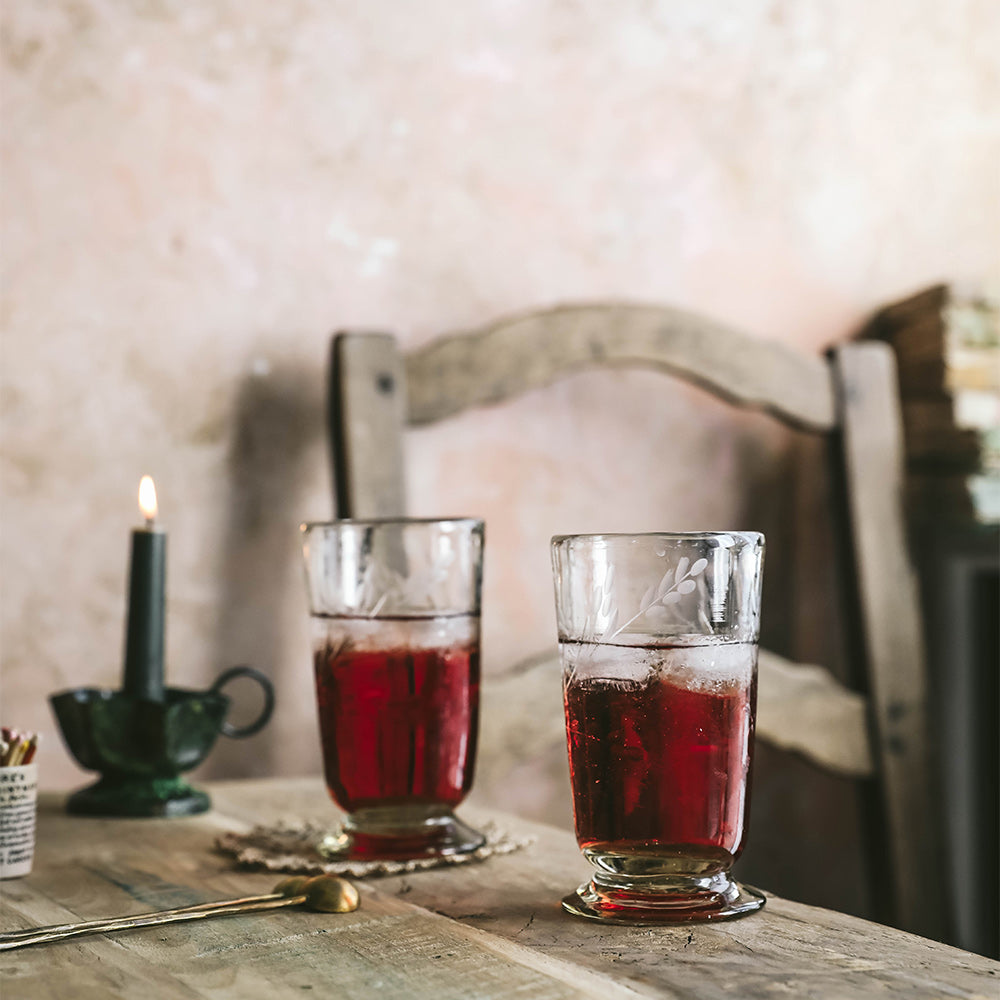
pixel 287 887
pixel 322 893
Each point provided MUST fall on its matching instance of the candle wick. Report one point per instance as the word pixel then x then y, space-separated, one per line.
pixel 150 523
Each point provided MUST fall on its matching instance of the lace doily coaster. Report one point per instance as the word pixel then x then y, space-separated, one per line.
pixel 292 849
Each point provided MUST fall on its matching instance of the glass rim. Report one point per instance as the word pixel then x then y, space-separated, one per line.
pixel 684 536
pixel 375 522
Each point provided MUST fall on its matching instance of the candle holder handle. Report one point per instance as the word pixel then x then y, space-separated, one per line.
pixel 240 732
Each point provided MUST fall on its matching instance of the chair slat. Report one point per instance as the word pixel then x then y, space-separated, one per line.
pixel 801 708
pixel 805 709
pixel 512 356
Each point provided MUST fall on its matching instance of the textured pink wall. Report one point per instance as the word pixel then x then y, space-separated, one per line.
pixel 195 195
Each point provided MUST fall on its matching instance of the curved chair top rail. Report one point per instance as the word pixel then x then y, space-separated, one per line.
pixel 515 354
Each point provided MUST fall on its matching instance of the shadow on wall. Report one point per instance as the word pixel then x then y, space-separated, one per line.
pixel 276 453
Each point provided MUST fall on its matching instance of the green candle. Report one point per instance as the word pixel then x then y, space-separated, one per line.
pixel 143 676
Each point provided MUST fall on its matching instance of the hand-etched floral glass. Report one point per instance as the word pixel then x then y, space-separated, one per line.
pixel 658 643
pixel 395 612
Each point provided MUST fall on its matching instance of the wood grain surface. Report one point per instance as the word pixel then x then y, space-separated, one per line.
pixel 514 354
pixel 890 610
pixel 490 930
pixel 367 408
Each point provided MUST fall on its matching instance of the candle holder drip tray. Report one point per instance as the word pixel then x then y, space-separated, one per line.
pixel 141 748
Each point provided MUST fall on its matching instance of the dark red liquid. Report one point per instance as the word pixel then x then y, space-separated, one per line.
pixel 398 725
pixel 660 769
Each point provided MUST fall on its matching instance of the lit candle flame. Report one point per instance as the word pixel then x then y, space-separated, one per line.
pixel 147 498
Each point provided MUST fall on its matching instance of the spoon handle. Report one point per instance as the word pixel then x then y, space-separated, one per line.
pixel 102 921
pixel 249 905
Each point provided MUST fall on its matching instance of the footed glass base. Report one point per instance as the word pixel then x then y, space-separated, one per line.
pixel 623 899
pixel 398 833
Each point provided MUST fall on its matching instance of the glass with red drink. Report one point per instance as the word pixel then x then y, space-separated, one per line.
pixel 658 644
pixel 395 617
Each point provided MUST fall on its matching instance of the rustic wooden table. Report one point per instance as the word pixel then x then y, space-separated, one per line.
pixel 487 930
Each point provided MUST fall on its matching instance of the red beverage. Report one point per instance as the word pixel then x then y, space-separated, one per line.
pixel 660 741
pixel 398 709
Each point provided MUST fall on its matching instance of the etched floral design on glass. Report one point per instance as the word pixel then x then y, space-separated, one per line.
pixel 395 614
pixel 657 637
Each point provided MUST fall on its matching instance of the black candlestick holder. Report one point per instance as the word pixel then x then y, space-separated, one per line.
pixel 141 747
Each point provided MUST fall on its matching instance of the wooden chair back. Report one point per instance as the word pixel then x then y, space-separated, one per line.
pixel 851 396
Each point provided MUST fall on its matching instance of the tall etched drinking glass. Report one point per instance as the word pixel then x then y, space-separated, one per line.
pixel 395 614
pixel 658 643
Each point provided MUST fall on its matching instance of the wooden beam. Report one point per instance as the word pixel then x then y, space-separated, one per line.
pixel 366 414
pixel 889 607
pixel 514 355
pixel 805 709
pixel 800 708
